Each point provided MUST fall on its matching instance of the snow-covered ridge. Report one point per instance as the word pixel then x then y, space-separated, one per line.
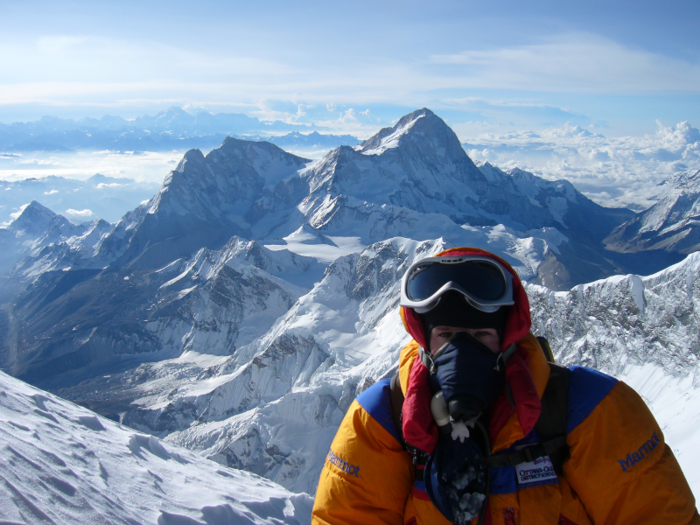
pixel 388 138
pixel 626 320
pixel 672 224
pixel 65 464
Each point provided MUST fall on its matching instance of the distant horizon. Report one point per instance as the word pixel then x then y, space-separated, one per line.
pixel 608 67
pixel 310 126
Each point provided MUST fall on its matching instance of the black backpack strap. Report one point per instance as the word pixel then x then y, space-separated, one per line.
pixel 397 398
pixel 546 348
pixel 551 426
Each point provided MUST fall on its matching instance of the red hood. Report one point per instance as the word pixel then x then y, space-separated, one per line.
pixel 518 323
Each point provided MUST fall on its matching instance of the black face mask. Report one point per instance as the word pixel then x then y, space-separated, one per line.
pixel 469 375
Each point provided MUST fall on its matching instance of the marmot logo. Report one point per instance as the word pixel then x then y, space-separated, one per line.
pixel 635 457
pixel 342 464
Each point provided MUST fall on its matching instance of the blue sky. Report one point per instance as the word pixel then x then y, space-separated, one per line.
pixel 611 67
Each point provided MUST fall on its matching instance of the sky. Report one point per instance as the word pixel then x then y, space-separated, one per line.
pixel 485 67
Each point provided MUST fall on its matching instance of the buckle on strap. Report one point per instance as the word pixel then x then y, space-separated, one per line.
pixel 524 455
pixel 533 452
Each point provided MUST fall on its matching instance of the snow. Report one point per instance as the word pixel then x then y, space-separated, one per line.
pixel 390 141
pixel 612 171
pixel 637 290
pixel 675 403
pixel 64 464
pixel 308 242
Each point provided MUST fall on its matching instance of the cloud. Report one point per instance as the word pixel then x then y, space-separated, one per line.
pixel 613 171
pixel 571 62
pixel 112 72
pixel 20 211
pixel 52 192
pixel 350 121
pixel 147 167
pixel 348 116
pixel 79 213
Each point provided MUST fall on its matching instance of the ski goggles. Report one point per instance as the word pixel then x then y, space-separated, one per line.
pixel 483 282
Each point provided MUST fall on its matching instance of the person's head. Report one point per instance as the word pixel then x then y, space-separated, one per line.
pixel 464 290
pixel 452 313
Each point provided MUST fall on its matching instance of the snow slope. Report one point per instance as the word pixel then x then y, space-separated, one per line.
pixel 65 464
pixel 646 332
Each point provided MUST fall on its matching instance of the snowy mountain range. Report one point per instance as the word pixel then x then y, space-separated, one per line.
pixel 172 129
pixel 80 200
pixel 241 310
pixel 672 224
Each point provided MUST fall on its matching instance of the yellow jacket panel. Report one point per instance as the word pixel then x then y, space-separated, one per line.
pixel 620 470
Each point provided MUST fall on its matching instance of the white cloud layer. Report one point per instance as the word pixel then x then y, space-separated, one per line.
pixel 114 72
pixel 619 171
pixel 147 166
pixel 79 213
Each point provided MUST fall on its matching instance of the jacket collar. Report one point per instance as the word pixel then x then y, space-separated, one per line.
pixel 527 373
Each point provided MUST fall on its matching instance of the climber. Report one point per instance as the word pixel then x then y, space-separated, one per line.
pixel 478 427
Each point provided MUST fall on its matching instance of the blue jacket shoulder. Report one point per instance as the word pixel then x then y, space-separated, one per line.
pixel 376 401
pixel 587 388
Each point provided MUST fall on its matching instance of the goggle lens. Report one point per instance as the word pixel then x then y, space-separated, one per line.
pixel 478 278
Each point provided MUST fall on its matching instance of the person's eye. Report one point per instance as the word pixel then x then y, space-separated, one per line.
pixel 445 335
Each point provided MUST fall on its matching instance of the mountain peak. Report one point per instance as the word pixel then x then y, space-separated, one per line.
pixel 419 129
pixel 389 138
pixel 37 220
pixel 173 115
pixel 33 216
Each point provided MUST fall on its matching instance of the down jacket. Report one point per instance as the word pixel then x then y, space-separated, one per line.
pixel 620 469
